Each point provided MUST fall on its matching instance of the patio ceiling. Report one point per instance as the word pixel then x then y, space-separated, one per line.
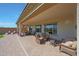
pixel 28 9
pixel 52 14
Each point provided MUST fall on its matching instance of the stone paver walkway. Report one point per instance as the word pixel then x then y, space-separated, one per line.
pixel 14 45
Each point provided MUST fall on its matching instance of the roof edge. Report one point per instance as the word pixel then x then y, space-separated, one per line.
pixel 22 13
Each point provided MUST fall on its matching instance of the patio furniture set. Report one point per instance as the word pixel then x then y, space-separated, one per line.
pixel 42 38
pixel 68 46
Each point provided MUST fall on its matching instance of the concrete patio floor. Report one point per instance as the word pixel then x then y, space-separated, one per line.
pixel 14 45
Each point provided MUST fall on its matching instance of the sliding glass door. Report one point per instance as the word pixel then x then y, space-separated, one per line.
pixel 51 28
pixel 38 28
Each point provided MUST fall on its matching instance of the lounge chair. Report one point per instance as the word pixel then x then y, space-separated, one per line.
pixel 14 32
pixel 69 47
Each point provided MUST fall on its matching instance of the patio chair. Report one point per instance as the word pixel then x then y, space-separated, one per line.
pixel 9 32
pixel 14 32
pixel 41 38
pixel 55 40
pixel 69 47
pixel 46 36
pixel 21 34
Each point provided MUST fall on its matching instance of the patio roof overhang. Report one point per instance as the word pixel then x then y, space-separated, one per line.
pixel 51 13
pixel 27 10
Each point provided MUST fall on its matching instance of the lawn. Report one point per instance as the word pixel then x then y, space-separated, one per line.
pixel 1 35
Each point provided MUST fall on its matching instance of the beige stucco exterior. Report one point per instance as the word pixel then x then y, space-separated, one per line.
pixel 67 28
pixel 62 14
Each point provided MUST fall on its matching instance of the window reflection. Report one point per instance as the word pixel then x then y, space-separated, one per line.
pixel 51 28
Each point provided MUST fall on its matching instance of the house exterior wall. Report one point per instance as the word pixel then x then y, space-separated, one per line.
pixel 66 28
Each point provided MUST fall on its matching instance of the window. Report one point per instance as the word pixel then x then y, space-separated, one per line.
pixel 38 28
pixel 51 28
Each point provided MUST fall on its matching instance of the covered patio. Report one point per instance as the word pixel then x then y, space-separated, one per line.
pixel 63 15
pixel 34 49
pixel 59 20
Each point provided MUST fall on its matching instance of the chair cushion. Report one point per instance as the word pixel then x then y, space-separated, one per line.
pixel 74 45
pixel 69 43
pixel 40 38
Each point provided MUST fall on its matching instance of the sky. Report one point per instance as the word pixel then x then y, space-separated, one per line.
pixel 9 13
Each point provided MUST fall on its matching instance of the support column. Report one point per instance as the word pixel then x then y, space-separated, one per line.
pixel 28 28
pixel 42 28
pixel 34 30
pixel 19 27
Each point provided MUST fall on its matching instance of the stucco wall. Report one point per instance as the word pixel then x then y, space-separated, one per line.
pixel 67 28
